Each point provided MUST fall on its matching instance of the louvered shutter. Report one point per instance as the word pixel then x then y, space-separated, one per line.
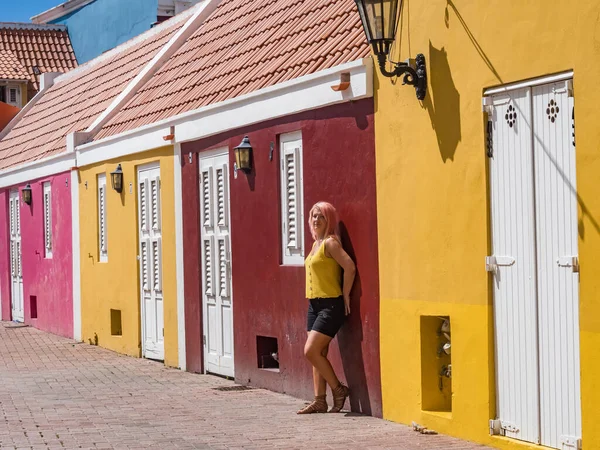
pixel 102 231
pixel 17 217
pixel 145 264
pixel 12 217
pixel 206 198
pixel 208 267
pixel 223 268
pixel 222 196
pixel 144 207
pixel 47 219
pixel 155 203
pixel 291 199
pixel 157 264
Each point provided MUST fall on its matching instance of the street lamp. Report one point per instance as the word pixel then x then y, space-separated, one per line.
pixel 380 22
pixel 26 194
pixel 116 179
pixel 243 155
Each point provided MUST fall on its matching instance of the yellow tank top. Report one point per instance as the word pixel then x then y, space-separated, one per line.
pixel 323 275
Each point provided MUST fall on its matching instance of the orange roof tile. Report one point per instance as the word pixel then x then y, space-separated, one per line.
pixel 244 46
pixel 39 48
pixel 11 68
pixel 78 97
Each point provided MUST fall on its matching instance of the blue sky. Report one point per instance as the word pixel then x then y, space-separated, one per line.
pixel 22 10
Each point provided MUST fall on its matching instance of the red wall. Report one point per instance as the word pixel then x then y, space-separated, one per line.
pixel 339 166
pixel 49 279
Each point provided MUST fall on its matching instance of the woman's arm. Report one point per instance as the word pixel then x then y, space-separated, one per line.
pixel 334 249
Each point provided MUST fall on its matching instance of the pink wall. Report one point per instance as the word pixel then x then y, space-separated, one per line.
pixel 50 280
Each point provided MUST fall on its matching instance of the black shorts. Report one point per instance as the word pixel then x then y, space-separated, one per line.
pixel 325 315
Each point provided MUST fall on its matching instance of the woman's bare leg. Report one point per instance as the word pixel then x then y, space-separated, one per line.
pixel 319 382
pixel 315 350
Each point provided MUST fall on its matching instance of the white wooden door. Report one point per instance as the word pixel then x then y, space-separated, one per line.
pixel 558 276
pixel 217 304
pixel 513 246
pixel 150 256
pixel 16 264
pixel 535 264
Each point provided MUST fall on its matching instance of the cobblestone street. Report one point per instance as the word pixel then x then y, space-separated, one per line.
pixel 55 393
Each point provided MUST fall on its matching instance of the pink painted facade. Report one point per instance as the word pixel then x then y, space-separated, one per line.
pixel 48 280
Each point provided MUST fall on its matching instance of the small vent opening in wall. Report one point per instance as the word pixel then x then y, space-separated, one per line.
pixel 116 328
pixel 267 353
pixel 33 312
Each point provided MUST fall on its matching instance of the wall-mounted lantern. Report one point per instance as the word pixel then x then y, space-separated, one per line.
pixel 380 22
pixel 116 179
pixel 243 155
pixel 26 194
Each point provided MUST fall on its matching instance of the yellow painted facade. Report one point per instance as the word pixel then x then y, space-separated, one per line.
pixel 114 285
pixel 433 198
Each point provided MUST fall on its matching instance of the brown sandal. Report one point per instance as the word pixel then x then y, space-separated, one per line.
pixel 318 405
pixel 340 394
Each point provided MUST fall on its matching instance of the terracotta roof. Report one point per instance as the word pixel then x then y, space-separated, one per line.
pixel 39 48
pixel 78 97
pixel 246 45
pixel 11 68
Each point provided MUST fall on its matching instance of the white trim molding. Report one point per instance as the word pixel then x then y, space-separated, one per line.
pixel 60 11
pixel 281 100
pixel 37 169
pixel 179 259
pixel 529 83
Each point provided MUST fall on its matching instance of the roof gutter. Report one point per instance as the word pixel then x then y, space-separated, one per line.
pixel 301 94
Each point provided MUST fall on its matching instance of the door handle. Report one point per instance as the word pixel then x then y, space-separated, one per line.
pixel 493 262
pixel 569 261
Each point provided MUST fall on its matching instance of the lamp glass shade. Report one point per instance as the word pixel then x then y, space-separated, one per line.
pixel 243 155
pixel 380 22
pixel 26 195
pixel 116 179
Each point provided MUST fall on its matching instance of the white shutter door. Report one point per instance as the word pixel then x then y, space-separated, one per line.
pixel 512 211
pixel 558 282
pixel 151 262
pixel 216 274
pixel 15 257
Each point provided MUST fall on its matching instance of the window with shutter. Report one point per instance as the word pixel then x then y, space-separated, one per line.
pixel 102 231
pixel 292 217
pixel 12 96
pixel 47 219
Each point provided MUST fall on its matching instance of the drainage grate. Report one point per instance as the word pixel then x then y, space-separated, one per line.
pixel 233 388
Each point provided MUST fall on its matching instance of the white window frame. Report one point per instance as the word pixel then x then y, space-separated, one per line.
pixel 102 250
pixel 291 257
pixel 47 204
pixel 17 89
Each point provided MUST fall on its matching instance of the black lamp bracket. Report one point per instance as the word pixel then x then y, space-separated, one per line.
pixel 414 77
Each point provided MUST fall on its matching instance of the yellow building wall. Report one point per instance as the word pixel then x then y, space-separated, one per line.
pixel 115 284
pixel 433 199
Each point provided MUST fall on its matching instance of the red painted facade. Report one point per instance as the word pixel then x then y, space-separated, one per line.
pixel 49 280
pixel 268 298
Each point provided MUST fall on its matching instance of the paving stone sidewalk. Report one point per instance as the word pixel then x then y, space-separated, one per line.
pixel 56 394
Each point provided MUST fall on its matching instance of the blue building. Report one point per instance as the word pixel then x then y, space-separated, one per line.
pixel 96 26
